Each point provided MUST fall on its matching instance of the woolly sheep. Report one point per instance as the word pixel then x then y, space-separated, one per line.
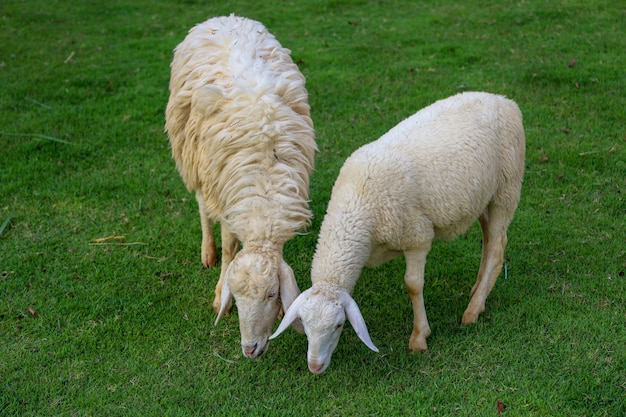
pixel 239 124
pixel 429 178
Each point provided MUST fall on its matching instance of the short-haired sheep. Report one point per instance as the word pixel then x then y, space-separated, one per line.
pixel 239 124
pixel 428 178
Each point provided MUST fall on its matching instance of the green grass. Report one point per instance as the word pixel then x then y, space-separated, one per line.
pixel 125 327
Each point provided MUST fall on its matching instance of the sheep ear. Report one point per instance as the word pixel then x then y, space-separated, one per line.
pixel 224 300
pixel 289 291
pixel 356 319
pixel 290 316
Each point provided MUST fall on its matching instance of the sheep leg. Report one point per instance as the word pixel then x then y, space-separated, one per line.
pixel 209 252
pixel 414 280
pixel 230 245
pixel 494 224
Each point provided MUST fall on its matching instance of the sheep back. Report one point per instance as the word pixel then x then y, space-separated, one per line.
pixel 434 173
pixel 239 124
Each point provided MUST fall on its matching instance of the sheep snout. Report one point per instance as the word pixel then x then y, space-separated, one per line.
pixel 253 350
pixel 317 367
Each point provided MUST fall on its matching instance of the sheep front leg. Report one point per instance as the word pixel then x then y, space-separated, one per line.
pixel 230 245
pixel 494 224
pixel 414 280
pixel 209 252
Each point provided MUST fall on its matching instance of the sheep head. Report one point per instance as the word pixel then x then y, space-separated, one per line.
pixel 323 311
pixel 261 282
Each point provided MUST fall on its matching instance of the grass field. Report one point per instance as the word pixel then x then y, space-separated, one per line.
pixel 124 326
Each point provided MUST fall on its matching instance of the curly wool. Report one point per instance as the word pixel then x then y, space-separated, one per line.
pixel 240 128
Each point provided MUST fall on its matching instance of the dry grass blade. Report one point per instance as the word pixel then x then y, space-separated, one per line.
pixel 610 149
pixel 102 241
pixel 222 358
pixel 107 238
pixel 117 244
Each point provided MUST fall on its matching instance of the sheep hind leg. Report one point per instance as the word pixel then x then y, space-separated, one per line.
pixel 414 280
pixel 494 224
pixel 209 251
pixel 230 245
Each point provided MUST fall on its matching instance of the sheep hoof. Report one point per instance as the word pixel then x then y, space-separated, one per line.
pixel 209 259
pixel 418 344
pixel 469 317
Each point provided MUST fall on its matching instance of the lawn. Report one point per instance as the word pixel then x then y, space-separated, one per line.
pixel 105 308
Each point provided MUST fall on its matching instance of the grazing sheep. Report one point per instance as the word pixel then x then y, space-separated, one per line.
pixel 428 178
pixel 241 134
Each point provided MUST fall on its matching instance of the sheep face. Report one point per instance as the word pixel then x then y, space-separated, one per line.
pixel 261 282
pixel 252 279
pixel 323 311
pixel 323 320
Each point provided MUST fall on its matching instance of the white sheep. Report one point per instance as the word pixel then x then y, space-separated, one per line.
pixel 239 124
pixel 428 178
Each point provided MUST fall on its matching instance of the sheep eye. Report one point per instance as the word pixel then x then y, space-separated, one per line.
pixel 272 294
pixel 338 326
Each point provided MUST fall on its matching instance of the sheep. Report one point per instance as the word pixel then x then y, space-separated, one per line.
pixel 429 178
pixel 239 125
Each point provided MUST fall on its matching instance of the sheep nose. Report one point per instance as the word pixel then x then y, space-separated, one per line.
pixel 316 368
pixel 248 350
pixel 252 350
